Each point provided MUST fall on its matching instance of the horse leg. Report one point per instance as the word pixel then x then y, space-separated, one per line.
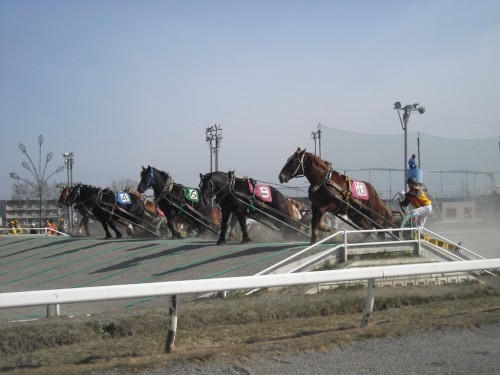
pixel 85 222
pixel 171 226
pixel 115 229
pixel 80 228
pixel 233 229
pixel 223 227
pixel 244 230
pixel 105 227
pixel 316 224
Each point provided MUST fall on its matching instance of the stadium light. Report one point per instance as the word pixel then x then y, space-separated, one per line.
pixel 407 109
pixel 69 160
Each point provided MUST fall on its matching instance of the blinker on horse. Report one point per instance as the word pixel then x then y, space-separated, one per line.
pixel 329 191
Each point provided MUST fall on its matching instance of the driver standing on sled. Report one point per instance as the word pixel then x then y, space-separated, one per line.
pixel 422 205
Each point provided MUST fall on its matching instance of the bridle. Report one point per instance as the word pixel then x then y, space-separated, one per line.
pixel 151 179
pixel 150 183
pixel 73 196
pixel 211 186
pixel 64 195
pixel 301 165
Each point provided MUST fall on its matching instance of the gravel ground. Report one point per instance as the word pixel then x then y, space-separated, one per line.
pixel 452 351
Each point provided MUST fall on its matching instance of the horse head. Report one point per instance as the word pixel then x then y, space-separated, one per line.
pixel 64 196
pixel 74 195
pixel 147 179
pixel 207 187
pixel 212 184
pixel 152 178
pixel 294 166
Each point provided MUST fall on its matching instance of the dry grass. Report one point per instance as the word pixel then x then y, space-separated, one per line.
pixel 267 324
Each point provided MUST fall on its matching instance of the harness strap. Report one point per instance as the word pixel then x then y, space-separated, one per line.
pixel 167 188
pixel 347 193
pixel 232 180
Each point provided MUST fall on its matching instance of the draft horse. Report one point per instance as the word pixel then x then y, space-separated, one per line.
pixel 178 202
pixel 330 191
pixel 85 214
pixel 105 207
pixel 240 196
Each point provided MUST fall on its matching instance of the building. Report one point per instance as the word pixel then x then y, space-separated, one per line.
pixel 27 212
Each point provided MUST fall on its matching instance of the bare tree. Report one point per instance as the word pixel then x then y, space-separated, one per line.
pixel 123 184
pixel 23 190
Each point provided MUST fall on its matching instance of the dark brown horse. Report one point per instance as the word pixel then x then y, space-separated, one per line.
pixel 105 206
pixel 330 191
pixel 84 212
pixel 179 203
pixel 243 196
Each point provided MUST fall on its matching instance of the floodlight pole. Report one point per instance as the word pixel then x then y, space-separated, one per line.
pixel 69 160
pixel 407 109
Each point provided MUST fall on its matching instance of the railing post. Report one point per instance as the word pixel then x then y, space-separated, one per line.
pixel 57 310
pixel 370 300
pixel 172 324
pixel 344 249
pixel 419 238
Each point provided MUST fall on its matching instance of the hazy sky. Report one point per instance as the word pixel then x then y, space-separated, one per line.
pixel 123 84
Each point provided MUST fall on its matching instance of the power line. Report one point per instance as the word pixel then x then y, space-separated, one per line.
pixel 463 121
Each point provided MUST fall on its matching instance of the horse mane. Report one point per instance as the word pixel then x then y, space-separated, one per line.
pixel 164 175
pixel 326 163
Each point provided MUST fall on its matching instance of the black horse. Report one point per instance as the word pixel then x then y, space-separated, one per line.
pixel 241 196
pixel 179 203
pixel 105 206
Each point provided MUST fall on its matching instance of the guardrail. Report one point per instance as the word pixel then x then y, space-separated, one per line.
pixel 20 231
pixel 174 288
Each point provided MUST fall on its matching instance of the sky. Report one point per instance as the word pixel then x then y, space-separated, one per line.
pixel 124 84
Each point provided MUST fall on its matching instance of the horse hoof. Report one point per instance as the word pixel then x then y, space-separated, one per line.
pixel 245 240
pixel 221 242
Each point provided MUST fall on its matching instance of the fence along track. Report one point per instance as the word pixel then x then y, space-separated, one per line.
pixel 174 288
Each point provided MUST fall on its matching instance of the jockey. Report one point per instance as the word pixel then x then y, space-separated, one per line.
pixel 422 205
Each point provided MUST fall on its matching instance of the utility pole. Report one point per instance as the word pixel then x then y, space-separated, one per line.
pixel 317 136
pixel 214 138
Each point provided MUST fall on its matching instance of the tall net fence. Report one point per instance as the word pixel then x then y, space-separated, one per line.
pixel 452 168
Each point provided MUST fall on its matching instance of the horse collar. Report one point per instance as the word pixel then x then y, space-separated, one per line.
pixel 167 188
pixel 232 181
pixel 325 181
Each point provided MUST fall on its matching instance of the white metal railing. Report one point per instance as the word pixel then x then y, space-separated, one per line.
pixel 415 234
pixel 31 231
pixel 114 292
pixel 174 288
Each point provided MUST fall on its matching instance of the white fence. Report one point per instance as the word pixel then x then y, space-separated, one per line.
pixel 173 288
pixel 21 231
